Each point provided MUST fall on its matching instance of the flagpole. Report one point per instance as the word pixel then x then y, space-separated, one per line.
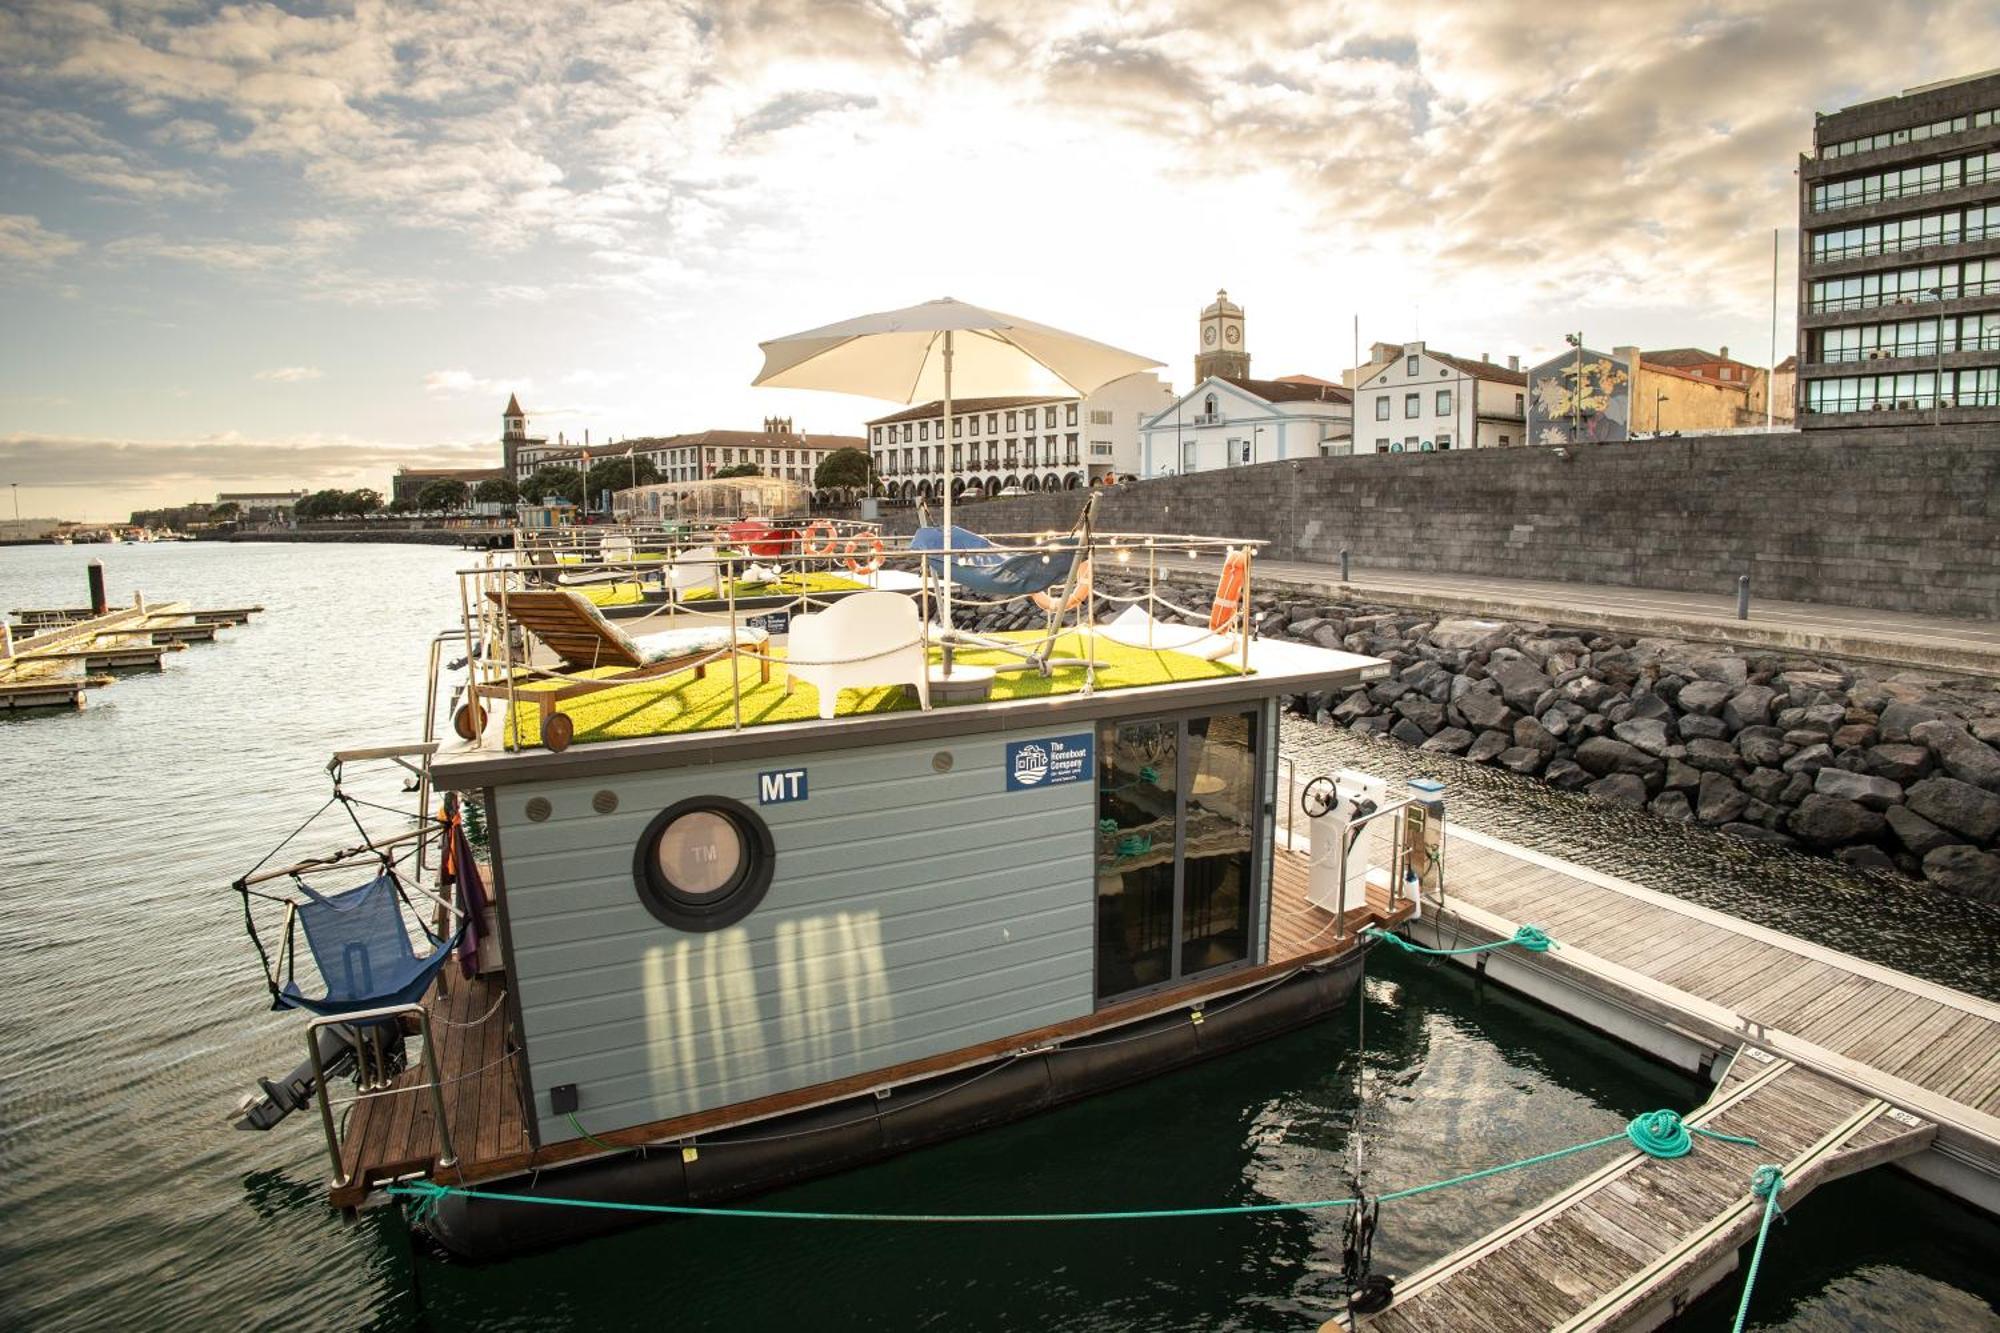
pixel 950 471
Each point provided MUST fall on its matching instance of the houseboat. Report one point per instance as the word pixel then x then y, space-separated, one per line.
pixel 691 909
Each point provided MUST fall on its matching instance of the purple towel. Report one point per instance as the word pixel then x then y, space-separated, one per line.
pixel 462 871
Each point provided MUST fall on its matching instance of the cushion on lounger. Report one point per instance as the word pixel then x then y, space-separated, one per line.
pixel 671 643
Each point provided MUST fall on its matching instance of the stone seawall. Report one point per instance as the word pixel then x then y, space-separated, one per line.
pixel 1888 519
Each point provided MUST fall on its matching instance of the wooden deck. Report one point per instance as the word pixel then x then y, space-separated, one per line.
pixel 1637 1239
pixel 1850 1064
pixel 395 1134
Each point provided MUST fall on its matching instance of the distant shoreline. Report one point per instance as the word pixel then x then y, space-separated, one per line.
pixel 391 536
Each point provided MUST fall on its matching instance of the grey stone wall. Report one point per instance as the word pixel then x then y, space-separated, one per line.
pixel 1887 519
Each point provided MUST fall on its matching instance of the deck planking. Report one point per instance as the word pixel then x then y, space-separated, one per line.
pixel 1639 1235
pixel 1842 1064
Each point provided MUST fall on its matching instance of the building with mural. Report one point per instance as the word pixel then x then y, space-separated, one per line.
pixel 1580 397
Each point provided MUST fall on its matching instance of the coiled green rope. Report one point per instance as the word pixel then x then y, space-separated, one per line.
pixel 1657 1133
pixel 1766 1183
pixel 1530 938
pixel 1665 1134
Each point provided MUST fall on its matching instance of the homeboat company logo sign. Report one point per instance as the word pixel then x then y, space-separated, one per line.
pixel 1049 762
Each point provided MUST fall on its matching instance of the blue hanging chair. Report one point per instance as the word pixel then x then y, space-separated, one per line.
pixel 362 950
pixel 995 572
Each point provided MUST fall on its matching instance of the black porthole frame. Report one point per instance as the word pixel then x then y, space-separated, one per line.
pixel 735 900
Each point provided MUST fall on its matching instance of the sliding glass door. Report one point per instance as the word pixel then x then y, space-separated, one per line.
pixel 1177 856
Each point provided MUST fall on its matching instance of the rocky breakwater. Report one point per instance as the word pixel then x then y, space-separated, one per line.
pixel 1886 769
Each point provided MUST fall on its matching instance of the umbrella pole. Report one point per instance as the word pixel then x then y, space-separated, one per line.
pixel 950 474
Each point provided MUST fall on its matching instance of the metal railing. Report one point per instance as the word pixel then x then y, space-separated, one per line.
pixel 662 566
pixel 381 1080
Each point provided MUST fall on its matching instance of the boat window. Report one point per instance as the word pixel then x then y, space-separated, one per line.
pixel 1138 766
pixel 1221 798
pixel 704 863
pixel 1176 866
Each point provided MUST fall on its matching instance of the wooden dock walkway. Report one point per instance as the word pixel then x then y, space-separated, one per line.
pixel 1849 1064
pixel 1636 1240
pixel 49 667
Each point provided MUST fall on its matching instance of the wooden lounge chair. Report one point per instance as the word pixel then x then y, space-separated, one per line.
pixel 570 626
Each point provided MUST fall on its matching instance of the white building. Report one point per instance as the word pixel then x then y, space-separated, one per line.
pixel 1038 443
pixel 1418 400
pixel 1224 422
pixel 1229 419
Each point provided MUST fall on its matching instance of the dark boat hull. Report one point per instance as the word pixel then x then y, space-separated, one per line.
pixel 784 1150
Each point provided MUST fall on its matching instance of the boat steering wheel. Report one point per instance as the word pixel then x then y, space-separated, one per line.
pixel 1319 797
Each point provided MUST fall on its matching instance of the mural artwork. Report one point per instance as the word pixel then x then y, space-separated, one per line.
pixel 1579 398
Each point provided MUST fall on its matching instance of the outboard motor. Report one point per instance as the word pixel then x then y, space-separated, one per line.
pixel 339 1056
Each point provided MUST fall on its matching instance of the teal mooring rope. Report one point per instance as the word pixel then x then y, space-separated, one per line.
pixel 1767 1183
pixel 1657 1133
pixel 1530 938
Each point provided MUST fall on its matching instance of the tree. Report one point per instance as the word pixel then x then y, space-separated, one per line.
pixel 402 506
pixel 740 470
pixel 320 504
pixel 547 482
pixel 360 503
pixel 616 474
pixel 442 494
pixel 843 468
pixel 225 511
pixel 497 491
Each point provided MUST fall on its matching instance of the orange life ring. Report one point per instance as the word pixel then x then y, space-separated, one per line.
pixel 865 541
pixel 1076 594
pixel 820 538
pixel 1229 593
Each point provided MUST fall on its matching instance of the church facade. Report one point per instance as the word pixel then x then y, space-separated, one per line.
pixel 1229 419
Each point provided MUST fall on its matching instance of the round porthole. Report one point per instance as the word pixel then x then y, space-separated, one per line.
pixel 704 863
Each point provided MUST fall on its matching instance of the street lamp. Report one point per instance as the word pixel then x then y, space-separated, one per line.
pixel 16 487
pixel 1658 398
pixel 1255 431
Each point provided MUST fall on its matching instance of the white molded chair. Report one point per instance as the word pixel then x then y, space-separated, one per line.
pixel 694 570
pixel 864 639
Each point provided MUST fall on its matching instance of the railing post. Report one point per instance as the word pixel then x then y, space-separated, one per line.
pixel 1742 596
pixel 1343 564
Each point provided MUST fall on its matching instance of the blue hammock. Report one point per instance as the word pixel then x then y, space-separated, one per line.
pixel 1002 573
pixel 363 951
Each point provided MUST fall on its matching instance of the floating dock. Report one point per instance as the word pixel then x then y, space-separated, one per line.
pixel 48 655
pixel 1833 1064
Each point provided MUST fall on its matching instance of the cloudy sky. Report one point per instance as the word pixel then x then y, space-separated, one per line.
pixel 260 246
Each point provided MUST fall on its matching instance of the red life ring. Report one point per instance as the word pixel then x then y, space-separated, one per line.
pixel 1076 594
pixel 1229 593
pixel 865 541
pixel 820 538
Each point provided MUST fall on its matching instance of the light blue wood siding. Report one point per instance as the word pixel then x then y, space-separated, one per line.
pixel 912 912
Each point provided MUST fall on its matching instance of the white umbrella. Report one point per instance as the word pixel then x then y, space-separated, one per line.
pixel 937 349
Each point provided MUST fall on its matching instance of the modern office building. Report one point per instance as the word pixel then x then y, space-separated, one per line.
pixel 1899 260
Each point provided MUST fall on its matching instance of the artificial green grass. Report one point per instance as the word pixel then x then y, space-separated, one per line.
pixel 679 703
pixel 792 585
pixel 612 594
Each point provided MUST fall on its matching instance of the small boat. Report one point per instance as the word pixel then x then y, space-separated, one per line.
pixel 709 908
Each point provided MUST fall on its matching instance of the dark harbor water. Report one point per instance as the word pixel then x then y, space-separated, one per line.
pixel 133 1019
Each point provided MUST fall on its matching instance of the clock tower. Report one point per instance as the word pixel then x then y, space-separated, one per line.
pixel 1222 350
